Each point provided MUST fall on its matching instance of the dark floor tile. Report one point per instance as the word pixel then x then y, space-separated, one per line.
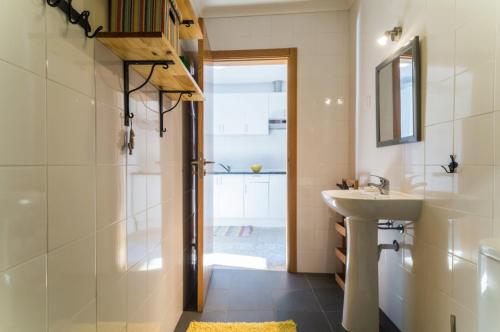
pixel 189 316
pixel 386 325
pixel 295 300
pixel 221 278
pixel 306 321
pixel 251 316
pixel 217 300
pixel 250 299
pixel 279 280
pixel 330 299
pixel 335 319
pixel 291 281
pixel 237 279
pixel 321 280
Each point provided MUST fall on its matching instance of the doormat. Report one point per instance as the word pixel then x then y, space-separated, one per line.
pixel 286 326
pixel 233 231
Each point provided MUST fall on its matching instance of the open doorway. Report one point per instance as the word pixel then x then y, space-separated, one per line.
pixel 254 135
pixel 250 150
pixel 205 164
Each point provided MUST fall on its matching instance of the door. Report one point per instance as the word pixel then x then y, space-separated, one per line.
pixel 204 176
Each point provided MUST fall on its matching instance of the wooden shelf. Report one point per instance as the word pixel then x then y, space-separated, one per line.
pixel 147 46
pixel 340 279
pixel 187 12
pixel 340 228
pixel 341 254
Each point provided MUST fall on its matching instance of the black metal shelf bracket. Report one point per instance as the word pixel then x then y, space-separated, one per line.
pixel 126 81
pixel 162 112
pixel 75 17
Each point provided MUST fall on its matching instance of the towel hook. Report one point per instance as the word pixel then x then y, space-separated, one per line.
pixel 452 166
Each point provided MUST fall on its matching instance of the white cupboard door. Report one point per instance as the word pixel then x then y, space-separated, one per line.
pixel 257 114
pixel 229 114
pixel 277 196
pixel 256 200
pixel 231 196
pixel 277 105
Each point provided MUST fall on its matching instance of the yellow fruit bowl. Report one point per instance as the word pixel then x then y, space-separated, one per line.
pixel 256 168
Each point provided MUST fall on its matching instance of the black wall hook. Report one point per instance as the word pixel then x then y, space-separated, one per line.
pixel 452 166
pixel 75 17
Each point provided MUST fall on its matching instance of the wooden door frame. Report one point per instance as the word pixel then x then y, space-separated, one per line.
pixel 288 56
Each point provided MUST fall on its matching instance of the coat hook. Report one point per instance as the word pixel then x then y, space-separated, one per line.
pixel 53 4
pixel 74 17
pixel 452 166
pixel 99 28
pixel 89 29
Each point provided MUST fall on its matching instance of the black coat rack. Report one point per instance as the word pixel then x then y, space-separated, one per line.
pixel 75 17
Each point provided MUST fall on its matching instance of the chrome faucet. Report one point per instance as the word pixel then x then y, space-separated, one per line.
pixel 227 168
pixel 383 186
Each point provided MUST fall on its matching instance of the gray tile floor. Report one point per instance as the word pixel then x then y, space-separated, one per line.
pixel 313 301
pixel 267 243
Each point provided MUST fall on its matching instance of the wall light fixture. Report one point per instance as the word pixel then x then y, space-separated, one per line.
pixel 393 35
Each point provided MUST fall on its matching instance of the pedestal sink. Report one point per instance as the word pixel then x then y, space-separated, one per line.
pixel 363 209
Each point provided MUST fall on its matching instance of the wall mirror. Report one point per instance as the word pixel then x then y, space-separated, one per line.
pixel 398 97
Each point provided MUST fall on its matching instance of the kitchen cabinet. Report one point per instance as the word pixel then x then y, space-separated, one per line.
pixel 228 117
pixel 241 114
pixel 253 196
pixel 228 196
pixel 256 196
pixel 277 105
pixel 277 196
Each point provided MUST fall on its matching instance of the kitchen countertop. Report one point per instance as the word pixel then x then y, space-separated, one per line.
pixel 248 173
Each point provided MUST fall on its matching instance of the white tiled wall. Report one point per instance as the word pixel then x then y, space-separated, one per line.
pixel 89 237
pixel 323 130
pixel 460 94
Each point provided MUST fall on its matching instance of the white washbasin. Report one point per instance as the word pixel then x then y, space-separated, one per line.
pixel 362 210
pixel 373 205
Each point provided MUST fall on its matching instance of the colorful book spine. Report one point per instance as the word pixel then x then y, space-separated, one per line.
pixel 139 15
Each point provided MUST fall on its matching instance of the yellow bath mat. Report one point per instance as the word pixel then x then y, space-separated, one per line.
pixel 287 326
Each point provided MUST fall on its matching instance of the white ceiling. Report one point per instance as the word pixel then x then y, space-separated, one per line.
pixel 215 3
pixel 227 8
pixel 249 74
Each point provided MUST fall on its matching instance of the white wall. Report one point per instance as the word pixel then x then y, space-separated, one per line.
pixel 90 237
pixel 243 151
pixel 323 131
pixel 434 275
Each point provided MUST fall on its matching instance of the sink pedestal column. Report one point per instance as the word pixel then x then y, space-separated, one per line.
pixel 361 285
